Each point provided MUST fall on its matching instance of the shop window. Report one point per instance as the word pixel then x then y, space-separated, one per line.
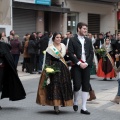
pixel 2 30
pixel 93 23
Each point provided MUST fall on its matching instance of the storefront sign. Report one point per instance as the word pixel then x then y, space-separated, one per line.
pixel 42 2
pixel 118 15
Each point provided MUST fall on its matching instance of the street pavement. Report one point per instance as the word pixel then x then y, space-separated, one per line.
pixel 101 108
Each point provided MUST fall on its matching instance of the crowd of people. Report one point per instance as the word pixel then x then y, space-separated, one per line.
pixel 73 57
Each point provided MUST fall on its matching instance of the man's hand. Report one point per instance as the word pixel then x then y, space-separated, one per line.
pixel 83 65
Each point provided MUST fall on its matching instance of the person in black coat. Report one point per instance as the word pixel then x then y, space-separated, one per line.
pixel 80 51
pixel 98 44
pixel 65 41
pixel 32 52
pixel 43 45
pixel 116 49
pixel 10 84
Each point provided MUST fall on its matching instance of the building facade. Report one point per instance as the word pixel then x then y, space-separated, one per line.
pixel 100 16
pixel 60 15
pixel 5 15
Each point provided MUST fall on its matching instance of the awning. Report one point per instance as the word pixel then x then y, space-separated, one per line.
pixel 40 7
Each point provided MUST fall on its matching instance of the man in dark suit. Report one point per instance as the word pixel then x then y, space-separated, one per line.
pixel 65 41
pixel 43 45
pixel 80 51
pixel 98 44
pixel 116 50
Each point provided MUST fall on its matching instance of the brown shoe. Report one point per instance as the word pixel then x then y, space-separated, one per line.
pixel 92 95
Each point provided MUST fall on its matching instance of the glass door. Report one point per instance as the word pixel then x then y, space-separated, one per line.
pixel 72 20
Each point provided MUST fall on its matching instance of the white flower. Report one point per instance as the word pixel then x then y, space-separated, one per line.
pixel 49 70
pixel 44 52
pixel 48 81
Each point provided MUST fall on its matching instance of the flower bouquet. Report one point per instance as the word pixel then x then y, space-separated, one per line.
pixel 49 70
pixel 102 53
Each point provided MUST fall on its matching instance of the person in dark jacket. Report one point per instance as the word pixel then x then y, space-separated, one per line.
pixel 10 84
pixel 98 44
pixel 80 51
pixel 65 41
pixel 38 38
pixel 16 49
pixel 32 52
pixel 43 45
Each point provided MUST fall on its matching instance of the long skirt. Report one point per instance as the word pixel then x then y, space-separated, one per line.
pixel 59 91
pixel 105 69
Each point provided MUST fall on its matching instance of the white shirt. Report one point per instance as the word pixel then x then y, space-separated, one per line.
pixel 82 40
pixel 67 43
pixel 83 57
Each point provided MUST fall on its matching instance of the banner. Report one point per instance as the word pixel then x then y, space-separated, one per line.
pixel 42 2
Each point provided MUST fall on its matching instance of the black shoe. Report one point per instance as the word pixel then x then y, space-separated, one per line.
pixel 0 107
pixel 40 72
pixel 75 107
pixel 85 112
pixel 104 79
pixel 57 112
pixel 33 73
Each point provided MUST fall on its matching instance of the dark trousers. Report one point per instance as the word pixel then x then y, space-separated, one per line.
pixel 32 62
pixel 27 64
pixel 36 62
pixel 41 61
pixel 81 77
pixel 23 65
pixel 16 58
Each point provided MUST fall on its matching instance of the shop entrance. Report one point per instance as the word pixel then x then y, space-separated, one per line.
pixel 52 21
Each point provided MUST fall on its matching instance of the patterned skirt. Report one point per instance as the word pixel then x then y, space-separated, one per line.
pixel 59 91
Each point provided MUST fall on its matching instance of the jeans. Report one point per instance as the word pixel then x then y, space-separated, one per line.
pixel 16 58
pixel 118 93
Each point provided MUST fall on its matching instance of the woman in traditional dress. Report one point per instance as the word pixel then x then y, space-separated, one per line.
pixel 59 91
pixel 105 68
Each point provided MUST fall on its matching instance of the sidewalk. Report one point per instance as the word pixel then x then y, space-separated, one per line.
pixel 26 76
